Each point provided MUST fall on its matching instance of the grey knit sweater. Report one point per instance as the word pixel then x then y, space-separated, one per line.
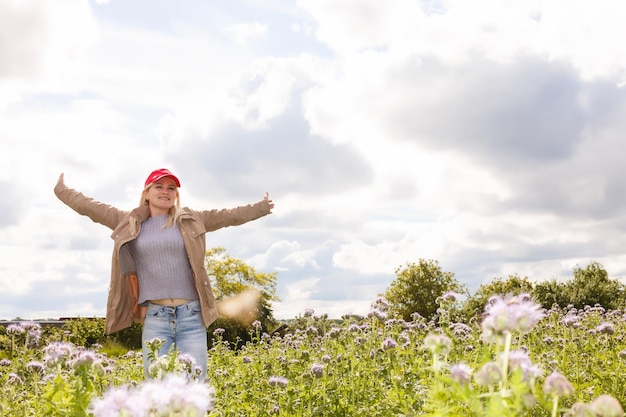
pixel 161 261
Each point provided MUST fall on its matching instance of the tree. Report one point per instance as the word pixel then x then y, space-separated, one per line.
pixel 242 293
pixel 550 293
pixel 417 287
pixel 592 286
pixel 474 306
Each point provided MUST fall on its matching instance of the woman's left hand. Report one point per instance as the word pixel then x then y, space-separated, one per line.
pixel 267 198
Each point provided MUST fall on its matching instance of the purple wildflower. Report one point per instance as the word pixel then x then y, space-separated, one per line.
pixel 489 374
pixel 570 320
pixel 510 314
pixel 380 315
pixel 57 352
pixel 129 355
pixel 187 362
pixel 380 304
pixel 417 316
pixel 450 296
pixel 389 343
pixel 461 373
pixel 607 406
pixel 172 395
pixel 605 328
pixel 34 332
pixel 116 402
pixel 83 358
pixel 519 359
pixel 278 381
pixel 317 370
pixel 404 338
pixel 334 332
pixel 557 385
pixel 15 328
pixel 354 328
pixel 460 330
pixel 580 409
pixel 180 395
pixel 437 344
pixel 14 379
pixel 35 366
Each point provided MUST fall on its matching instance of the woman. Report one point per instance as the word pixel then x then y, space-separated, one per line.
pixel 158 276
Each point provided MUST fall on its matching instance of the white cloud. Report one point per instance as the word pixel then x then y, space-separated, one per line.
pixel 245 34
pixel 285 255
pixel 356 24
pixel 296 298
pixel 580 32
pixel 39 45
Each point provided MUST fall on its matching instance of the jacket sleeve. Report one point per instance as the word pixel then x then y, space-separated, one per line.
pixel 98 212
pixel 216 219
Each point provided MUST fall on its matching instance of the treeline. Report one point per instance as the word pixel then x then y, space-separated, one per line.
pixel 417 290
pixel 419 286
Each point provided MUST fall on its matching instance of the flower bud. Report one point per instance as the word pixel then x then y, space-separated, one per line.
pixel 556 384
pixel 489 374
pixel 607 406
pixel 437 344
pixel 580 410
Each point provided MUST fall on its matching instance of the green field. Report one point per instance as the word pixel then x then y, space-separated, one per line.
pixel 518 361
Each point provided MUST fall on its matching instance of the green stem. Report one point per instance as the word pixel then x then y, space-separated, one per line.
pixel 504 358
pixel 555 405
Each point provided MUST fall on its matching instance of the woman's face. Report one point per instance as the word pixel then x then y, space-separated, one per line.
pixel 162 195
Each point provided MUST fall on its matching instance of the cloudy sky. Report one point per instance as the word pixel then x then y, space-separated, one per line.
pixel 488 136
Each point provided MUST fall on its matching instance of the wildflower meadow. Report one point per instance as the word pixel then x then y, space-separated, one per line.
pixel 518 360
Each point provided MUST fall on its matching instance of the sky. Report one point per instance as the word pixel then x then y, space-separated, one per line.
pixel 486 136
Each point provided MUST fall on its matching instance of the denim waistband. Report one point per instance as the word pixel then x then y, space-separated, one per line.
pixel 186 306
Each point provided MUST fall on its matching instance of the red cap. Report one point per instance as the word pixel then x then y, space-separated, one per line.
pixel 161 173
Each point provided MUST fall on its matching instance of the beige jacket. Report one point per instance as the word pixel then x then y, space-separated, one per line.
pixel 122 302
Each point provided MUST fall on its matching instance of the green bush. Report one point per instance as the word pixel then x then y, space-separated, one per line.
pixel 85 331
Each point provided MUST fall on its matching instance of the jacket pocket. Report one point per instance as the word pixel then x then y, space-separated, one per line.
pixel 139 312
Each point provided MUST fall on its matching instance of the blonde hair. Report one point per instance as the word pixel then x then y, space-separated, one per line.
pixel 174 211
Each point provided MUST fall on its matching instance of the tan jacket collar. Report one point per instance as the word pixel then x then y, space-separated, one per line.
pixel 141 213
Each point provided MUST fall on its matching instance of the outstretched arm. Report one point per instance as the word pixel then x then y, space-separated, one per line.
pixel 216 219
pixel 98 212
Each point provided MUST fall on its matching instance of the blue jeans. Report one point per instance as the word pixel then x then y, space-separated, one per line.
pixel 181 326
